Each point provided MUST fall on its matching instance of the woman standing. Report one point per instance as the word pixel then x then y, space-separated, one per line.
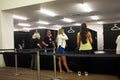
pixel 84 41
pixel 61 44
pixel 35 44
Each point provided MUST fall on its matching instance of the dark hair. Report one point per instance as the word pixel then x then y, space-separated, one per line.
pixel 83 33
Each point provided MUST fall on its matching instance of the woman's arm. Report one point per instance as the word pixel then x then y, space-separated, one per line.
pixel 90 38
pixel 53 43
pixel 78 40
pixel 45 44
pixel 63 36
pixel 38 44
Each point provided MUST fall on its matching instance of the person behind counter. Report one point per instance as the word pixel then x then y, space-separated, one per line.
pixel 35 44
pixel 48 41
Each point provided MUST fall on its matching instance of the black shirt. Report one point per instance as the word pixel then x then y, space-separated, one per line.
pixel 49 40
pixel 34 43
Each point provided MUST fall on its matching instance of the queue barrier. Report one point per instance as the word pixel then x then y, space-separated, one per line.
pixel 53 53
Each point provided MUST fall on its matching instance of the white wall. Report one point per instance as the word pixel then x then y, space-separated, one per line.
pixel 6 28
pixel 99 29
pixel 6 22
pixel 0 31
pixel 9 4
pixel 6 33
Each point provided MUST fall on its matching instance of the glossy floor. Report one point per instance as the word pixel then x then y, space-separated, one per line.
pixel 7 73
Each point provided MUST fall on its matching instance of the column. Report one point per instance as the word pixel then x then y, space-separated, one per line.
pixel 99 29
pixel 6 33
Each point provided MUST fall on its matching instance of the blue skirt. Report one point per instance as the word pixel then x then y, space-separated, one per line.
pixel 61 50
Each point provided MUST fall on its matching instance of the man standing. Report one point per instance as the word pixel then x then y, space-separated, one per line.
pixel 48 41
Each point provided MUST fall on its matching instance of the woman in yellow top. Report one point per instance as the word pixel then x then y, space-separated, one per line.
pixel 84 39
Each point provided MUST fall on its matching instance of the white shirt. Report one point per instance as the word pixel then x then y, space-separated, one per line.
pixel 61 40
pixel 118 45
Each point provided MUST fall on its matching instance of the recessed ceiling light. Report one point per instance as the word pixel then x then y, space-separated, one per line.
pixel 43 22
pixel 67 20
pixel 47 12
pixel 19 17
pixel 85 7
pixel 24 24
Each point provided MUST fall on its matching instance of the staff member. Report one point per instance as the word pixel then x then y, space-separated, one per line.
pixel 35 44
pixel 48 41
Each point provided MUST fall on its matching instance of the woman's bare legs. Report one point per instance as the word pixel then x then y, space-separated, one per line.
pixel 63 59
pixel 65 63
pixel 60 64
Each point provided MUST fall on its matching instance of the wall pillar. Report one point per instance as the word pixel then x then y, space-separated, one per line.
pixel 6 33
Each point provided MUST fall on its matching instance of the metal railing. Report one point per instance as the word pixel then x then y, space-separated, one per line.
pixel 54 54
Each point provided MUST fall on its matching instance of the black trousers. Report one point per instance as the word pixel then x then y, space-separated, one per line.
pixel 85 61
pixel 86 52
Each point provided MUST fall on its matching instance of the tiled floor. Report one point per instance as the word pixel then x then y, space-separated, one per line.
pixel 7 73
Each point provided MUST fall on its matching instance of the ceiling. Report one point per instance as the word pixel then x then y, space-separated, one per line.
pixel 108 11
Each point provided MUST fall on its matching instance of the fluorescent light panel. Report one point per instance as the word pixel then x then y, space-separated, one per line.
pixel 43 22
pixel 95 17
pixel 47 12
pixel 27 29
pixel 67 20
pixel 15 29
pixel 41 27
pixel 85 7
pixel 19 17
pixel 54 28
pixel 57 26
pixel 100 22
pixel 24 24
pixel 77 24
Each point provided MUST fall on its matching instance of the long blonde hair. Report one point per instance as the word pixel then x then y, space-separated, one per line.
pixel 60 31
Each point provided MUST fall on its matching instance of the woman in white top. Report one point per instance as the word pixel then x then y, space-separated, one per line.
pixel 118 45
pixel 61 44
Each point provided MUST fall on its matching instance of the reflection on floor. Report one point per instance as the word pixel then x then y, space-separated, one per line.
pixel 7 73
